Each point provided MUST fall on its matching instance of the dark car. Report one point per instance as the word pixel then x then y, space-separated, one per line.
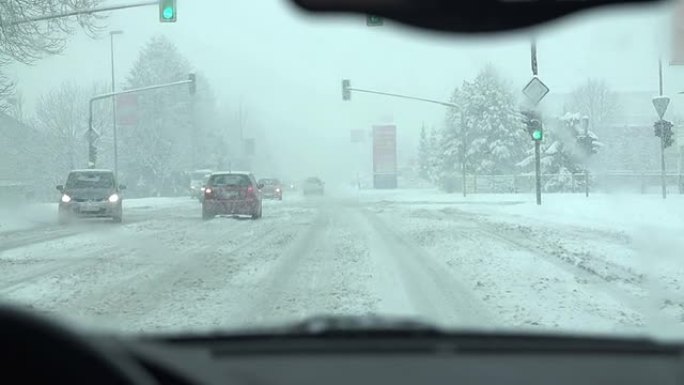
pixel 231 193
pixel 272 189
pixel 90 193
pixel 312 186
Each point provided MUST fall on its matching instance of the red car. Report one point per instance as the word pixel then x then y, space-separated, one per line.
pixel 272 189
pixel 231 193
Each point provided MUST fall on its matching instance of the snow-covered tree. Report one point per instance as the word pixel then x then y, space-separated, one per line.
pixel 561 154
pixel 175 131
pixel 424 155
pixel 496 138
pixel 448 151
pixel 434 155
pixel 595 100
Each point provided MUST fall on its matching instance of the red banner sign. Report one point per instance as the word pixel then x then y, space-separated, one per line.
pixel 385 149
pixel 127 109
pixel 677 28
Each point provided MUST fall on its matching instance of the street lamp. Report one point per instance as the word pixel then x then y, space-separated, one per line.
pixel 116 149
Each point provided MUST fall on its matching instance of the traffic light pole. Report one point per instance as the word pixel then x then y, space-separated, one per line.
pixel 586 165
pixel 537 143
pixel 83 12
pixel 92 134
pixel 405 97
pixel 662 135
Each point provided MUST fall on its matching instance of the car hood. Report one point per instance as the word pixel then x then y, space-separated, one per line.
pixel 89 193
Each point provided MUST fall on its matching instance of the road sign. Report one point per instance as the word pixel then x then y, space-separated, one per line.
pixel 385 157
pixel 535 90
pixel 660 103
pixel 91 135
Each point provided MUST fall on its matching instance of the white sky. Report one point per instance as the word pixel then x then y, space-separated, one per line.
pixel 287 66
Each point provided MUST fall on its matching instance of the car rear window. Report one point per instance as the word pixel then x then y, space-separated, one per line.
pixel 90 179
pixel 229 180
pixel 269 181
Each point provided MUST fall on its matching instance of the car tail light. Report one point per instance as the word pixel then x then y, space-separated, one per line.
pixel 207 192
pixel 250 192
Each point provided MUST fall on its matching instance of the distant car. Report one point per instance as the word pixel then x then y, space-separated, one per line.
pixel 312 186
pixel 198 179
pixel 272 189
pixel 232 193
pixel 90 193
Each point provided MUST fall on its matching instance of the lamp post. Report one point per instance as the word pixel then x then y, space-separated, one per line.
pixel 114 133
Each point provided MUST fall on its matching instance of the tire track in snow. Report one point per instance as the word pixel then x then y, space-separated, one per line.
pixel 609 300
pixel 183 283
pixel 429 289
pixel 326 270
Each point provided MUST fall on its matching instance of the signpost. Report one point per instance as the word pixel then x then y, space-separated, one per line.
pixel 535 91
pixel 660 103
pixel 385 157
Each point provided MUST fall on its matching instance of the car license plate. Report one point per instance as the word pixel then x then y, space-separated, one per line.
pixel 90 207
pixel 230 194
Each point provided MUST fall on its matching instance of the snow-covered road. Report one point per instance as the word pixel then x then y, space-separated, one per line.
pixel 166 269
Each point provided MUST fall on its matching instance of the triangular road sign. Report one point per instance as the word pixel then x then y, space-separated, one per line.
pixel 660 103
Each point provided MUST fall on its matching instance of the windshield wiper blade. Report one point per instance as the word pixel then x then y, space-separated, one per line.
pixel 329 325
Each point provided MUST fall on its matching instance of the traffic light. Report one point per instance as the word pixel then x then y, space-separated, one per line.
pixel 373 21
pixel 534 125
pixel 346 92
pixel 586 144
pixel 193 83
pixel 664 128
pixel 167 11
pixel 92 155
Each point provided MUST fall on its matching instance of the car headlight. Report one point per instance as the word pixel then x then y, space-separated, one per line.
pixel 277 190
pixel 113 198
pixel 66 198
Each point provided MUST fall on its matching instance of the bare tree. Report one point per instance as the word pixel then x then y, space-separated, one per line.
pixel 26 42
pixel 62 117
pixel 595 100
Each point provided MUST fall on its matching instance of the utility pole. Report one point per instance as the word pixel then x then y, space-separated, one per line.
pixel 585 123
pixel 114 128
pixel 464 136
pixel 662 136
pixel 537 143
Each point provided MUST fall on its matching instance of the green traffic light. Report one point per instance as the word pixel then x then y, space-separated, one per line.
pixel 167 13
pixel 537 135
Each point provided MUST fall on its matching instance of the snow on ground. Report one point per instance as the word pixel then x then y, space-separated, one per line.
pixel 627 247
pixel 573 264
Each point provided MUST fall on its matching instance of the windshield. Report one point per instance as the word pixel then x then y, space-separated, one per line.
pixel 90 180
pixel 229 180
pixel 530 181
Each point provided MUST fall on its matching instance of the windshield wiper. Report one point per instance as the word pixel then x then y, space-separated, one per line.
pixel 330 325
pixel 376 333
